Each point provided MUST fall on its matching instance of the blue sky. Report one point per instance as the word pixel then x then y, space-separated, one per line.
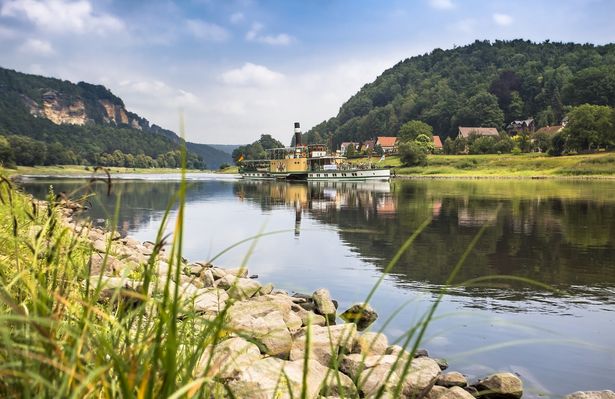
pixel 240 68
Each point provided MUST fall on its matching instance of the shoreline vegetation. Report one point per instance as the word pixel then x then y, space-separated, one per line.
pixel 599 166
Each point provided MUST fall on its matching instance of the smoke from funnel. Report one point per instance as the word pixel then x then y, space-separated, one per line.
pixel 297 134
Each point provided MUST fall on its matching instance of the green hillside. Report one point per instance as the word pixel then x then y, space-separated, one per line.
pixel 47 121
pixel 215 157
pixel 482 84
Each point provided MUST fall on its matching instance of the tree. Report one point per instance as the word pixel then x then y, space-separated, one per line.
pixel 541 141
pixel 481 110
pixel 411 130
pixel 351 150
pixel 6 153
pixel 482 145
pixel 558 144
pixel 412 154
pixel 378 150
pixel 589 126
pixel 27 151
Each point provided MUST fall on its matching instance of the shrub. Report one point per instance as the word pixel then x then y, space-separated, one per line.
pixel 412 154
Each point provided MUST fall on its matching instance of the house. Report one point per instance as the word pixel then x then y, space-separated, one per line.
pixel 526 125
pixel 437 143
pixel 465 132
pixel 550 129
pixel 368 146
pixel 388 144
pixel 344 146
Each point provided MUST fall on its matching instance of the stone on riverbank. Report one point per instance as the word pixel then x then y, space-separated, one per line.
pixel 452 379
pixel 371 343
pixel 227 358
pixel 361 314
pixel 325 342
pixel 501 385
pixel 324 304
pixel 239 288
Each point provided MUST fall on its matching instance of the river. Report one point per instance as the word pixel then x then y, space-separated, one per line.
pixel 343 235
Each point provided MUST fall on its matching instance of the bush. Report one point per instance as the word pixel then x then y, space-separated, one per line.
pixel 516 151
pixel 483 145
pixel 412 154
pixel 558 144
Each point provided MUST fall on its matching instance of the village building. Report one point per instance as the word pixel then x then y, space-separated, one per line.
pixel 388 144
pixel 521 126
pixel 368 145
pixel 465 132
pixel 550 129
pixel 437 143
pixel 344 146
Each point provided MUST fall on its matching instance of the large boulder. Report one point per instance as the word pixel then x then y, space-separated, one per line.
pixel 455 393
pixel 379 377
pixel 422 375
pixel 265 304
pixel 361 314
pixel 325 342
pixel 324 304
pixel 275 378
pixel 99 264
pixel 269 332
pixel 500 385
pixel 239 288
pixel 227 359
pixel 452 379
pixel 210 301
pixel 371 343
pixel 591 395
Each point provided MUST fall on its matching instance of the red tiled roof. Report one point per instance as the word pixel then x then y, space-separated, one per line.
pixel 437 142
pixel 386 141
pixel 465 132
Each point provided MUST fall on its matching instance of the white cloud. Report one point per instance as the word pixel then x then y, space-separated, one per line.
pixel 502 19
pixel 161 92
pixel 464 25
pixel 237 17
pixel 251 75
pixel 206 31
pixel 36 47
pixel 62 16
pixel 255 35
pixel 442 4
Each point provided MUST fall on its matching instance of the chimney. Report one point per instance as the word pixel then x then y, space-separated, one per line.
pixel 297 134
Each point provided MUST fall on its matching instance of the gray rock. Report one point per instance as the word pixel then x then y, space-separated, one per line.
pixel 336 383
pixel 275 378
pixel 111 265
pixel 371 343
pixel 227 359
pixel 442 363
pixel 210 301
pixel 455 393
pixel 591 395
pixel 208 278
pixel 373 379
pixel 421 377
pixel 361 314
pixel 436 392
pixel 324 304
pixel 501 385
pixel 325 342
pixel 269 331
pixel 452 379
pixel 239 288
pixel 421 353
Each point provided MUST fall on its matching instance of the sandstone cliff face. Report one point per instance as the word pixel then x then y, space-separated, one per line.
pixel 61 109
pixel 58 109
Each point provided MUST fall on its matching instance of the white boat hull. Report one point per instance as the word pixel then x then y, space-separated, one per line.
pixel 324 175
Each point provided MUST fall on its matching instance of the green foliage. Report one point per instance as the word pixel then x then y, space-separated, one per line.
pixel 590 127
pixel 482 84
pixel 557 145
pixel 483 145
pixel 75 144
pixel 411 130
pixel 6 153
pixel 257 149
pixel 541 141
pixel 378 150
pixel 27 151
pixel 412 153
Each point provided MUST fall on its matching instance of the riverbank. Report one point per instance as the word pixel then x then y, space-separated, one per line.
pixel 78 170
pixel 224 321
pixel 523 166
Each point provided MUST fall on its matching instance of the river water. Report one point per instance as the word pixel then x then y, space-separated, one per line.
pixel 341 236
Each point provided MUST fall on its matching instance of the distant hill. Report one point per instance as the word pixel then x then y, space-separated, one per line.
pixel 64 122
pixel 481 84
pixel 214 156
pixel 227 148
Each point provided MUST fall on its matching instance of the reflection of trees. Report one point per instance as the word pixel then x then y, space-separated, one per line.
pixel 141 201
pixel 557 233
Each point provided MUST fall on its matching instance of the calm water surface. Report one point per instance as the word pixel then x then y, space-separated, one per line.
pixel 342 235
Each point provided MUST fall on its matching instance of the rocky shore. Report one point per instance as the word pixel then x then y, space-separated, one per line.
pixel 274 336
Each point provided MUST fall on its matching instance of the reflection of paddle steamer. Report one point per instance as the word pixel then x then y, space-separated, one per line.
pixel 307 162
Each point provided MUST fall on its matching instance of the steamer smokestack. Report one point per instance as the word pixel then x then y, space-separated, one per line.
pixel 297 134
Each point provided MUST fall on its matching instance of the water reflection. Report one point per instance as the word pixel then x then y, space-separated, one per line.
pixel 557 233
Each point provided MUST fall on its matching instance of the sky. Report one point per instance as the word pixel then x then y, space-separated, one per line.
pixel 237 69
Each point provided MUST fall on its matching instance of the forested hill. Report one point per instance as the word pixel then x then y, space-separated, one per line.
pixel 52 121
pixel 482 84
